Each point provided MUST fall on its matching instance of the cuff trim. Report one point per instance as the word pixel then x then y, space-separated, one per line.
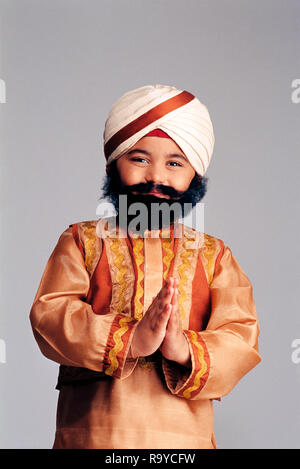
pixel 118 344
pixel 201 366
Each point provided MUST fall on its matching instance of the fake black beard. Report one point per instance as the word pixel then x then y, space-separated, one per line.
pixel 184 202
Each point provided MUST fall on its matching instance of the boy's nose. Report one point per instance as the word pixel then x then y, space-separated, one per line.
pixel 156 176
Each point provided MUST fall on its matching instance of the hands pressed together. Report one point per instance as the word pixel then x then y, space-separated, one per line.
pixel 160 328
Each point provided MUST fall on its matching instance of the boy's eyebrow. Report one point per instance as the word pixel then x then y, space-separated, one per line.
pixel 174 155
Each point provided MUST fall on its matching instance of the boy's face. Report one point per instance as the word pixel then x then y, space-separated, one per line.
pixel 157 160
pixel 153 163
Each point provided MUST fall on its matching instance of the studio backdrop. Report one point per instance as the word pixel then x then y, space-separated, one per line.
pixel 63 64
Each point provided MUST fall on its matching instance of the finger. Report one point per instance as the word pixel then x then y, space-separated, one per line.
pixel 172 325
pixel 160 321
pixel 171 281
pixel 175 281
pixel 174 300
pixel 169 284
pixel 166 294
pixel 163 302
pixel 164 297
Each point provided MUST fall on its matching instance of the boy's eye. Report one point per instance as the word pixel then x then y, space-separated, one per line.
pixel 172 163
pixel 137 159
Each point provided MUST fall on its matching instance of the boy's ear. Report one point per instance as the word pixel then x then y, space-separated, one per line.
pixel 111 168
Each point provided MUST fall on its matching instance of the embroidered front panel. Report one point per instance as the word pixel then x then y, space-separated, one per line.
pixel 91 243
pixel 122 274
pixel 127 272
pixel 127 296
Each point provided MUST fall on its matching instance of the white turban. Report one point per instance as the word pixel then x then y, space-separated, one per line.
pixel 178 113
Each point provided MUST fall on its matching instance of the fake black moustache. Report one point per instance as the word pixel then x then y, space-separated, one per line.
pixel 150 186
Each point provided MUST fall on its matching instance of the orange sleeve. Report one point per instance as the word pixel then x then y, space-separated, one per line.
pixel 228 348
pixel 65 326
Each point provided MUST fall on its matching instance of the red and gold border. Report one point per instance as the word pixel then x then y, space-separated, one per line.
pixel 117 342
pixel 201 366
pixel 139 259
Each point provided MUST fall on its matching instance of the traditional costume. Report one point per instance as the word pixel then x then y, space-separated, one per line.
pixel 95 290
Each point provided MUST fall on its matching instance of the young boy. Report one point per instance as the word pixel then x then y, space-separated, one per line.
pixel 148 323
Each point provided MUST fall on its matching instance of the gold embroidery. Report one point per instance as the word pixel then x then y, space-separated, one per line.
pixel 166 243
pixel 147 365
pixel 139 258
pixel 209 253
pixel 89 239
pixel 121 270
pixel 183 269
pixel 185 262
pixel 117 336
pixel 203 369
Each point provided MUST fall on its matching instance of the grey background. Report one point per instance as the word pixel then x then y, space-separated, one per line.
pixel 65 63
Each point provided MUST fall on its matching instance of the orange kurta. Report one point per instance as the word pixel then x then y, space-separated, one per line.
pixel 93 293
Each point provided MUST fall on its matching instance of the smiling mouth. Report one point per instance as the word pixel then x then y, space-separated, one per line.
pixel 153 192
pixel 156 193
